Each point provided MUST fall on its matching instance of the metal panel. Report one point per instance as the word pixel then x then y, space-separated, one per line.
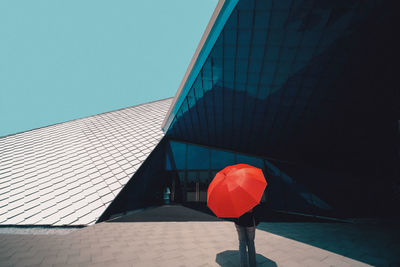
pixel 67 174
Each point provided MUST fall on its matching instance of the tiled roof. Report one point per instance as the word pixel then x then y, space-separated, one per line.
pixel 68 173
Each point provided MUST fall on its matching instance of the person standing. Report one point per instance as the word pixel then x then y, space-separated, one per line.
pixel 167 193
pixel 246 228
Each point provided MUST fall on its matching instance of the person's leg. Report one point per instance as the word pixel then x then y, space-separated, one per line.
pixel 251 232
pixel 242 245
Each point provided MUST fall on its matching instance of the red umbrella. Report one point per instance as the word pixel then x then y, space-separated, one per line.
pixel 235 190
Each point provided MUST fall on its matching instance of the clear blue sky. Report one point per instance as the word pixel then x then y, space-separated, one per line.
pixel 62 60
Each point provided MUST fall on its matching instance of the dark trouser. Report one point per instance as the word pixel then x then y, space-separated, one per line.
pixel 246 239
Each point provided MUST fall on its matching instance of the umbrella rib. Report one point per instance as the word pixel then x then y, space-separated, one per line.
pixel 232 203
pixel 247 193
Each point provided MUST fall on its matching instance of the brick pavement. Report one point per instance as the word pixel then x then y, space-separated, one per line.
pixel 204 244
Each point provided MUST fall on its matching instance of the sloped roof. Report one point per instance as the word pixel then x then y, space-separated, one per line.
pixel 68 173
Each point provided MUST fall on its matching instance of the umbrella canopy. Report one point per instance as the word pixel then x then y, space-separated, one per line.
pixel 235 190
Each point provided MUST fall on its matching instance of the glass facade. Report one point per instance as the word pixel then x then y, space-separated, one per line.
pixel 193 167
pixel 273 77
pixel 308 82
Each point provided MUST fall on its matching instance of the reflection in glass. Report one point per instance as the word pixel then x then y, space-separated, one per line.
pixel 220 159
pixel 192 187
pixel 283 192
pixel 198 158
pixel 204 181
pixel 253 161
pixel 177 158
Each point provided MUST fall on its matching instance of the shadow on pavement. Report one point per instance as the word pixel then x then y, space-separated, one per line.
pixel 166 213
pixel 373 244
pixel 231 258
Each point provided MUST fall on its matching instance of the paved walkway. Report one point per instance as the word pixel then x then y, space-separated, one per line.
pixel 205 243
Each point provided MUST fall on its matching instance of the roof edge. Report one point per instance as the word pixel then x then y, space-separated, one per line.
pixel 84 117
pixel 217 22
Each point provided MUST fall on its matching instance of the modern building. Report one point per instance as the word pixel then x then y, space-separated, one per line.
pixel 305 90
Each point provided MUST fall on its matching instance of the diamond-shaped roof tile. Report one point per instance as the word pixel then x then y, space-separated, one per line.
pixel 68 173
